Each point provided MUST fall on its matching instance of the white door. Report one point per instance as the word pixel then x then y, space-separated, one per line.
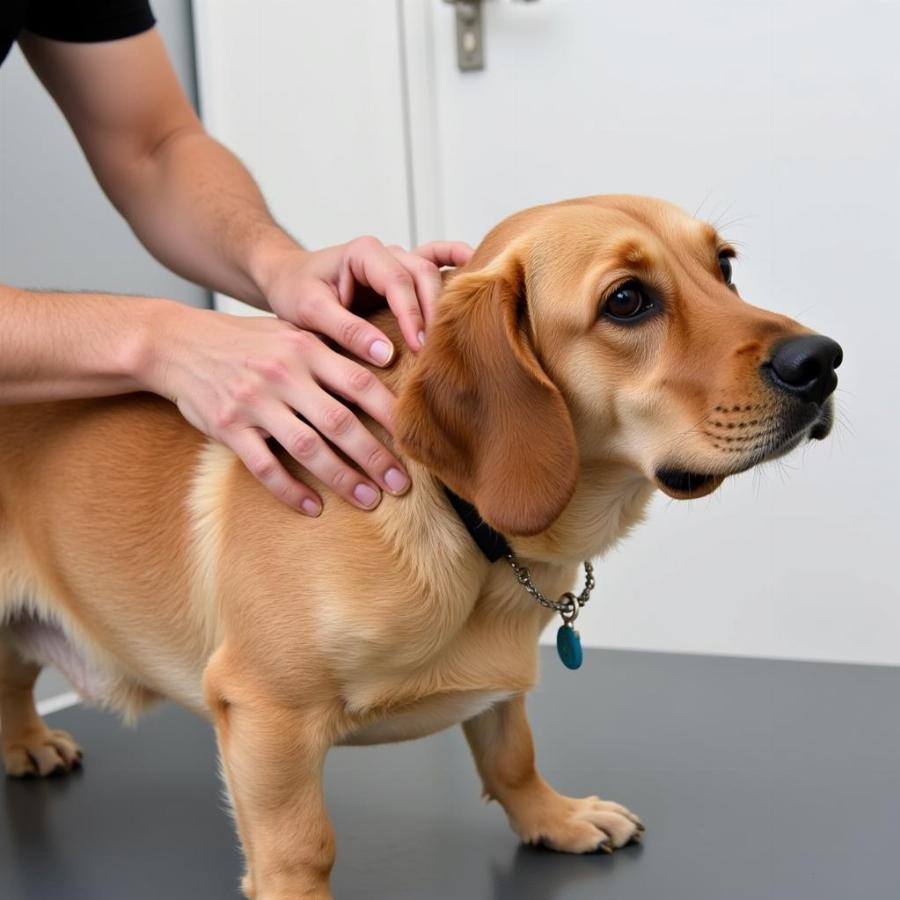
pixel 779 122
pixel 309 94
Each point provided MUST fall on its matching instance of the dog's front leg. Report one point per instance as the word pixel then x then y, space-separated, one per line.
pixel 501 743
pixel 272 758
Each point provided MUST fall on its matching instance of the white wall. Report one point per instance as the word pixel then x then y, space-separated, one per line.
pixel 57 229
pixel 777 117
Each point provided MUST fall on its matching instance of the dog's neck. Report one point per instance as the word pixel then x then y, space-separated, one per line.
pixel 605 506
pixel 609 498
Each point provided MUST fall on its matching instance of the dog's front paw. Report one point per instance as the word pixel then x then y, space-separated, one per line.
pixel 573 825
pixel 40 752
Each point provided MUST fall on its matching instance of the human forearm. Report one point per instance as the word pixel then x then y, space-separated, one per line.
pixel 56 346
pixel 190 201
pixel 234 378
pixel 197 209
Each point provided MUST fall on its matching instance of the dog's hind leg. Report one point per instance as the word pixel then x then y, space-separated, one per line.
pixel 29 747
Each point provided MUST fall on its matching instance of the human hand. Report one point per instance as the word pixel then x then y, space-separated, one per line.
pixel 241 379
pixel 314 290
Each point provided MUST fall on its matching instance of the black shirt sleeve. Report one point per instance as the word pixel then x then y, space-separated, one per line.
pixel 86 21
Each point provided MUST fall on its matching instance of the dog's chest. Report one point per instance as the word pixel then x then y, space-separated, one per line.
pixel 426 717
pixel 487 663
pixel 442 660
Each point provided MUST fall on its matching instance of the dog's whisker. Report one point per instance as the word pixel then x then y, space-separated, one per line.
pixel 719 216
pixel 842 420
pixel 723 225
pixel 798 314
pixel 702 203
pixel 679 439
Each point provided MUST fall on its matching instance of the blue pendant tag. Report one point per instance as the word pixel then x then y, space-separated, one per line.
pixel 568 646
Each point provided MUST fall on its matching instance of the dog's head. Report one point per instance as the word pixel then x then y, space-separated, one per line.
pixel 606 331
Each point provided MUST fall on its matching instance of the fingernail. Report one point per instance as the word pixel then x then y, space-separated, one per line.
pixel 381 351
pixel 365 494
pixel 396 480
pixel 421 337
pixel 310 507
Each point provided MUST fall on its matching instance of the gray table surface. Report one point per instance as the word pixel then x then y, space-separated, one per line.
pixel 758 780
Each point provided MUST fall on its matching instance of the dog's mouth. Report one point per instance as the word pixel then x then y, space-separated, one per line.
pixel 823 425
pixel 689 484
pixel 682 484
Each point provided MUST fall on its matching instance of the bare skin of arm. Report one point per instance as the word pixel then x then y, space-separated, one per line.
pixel 198 210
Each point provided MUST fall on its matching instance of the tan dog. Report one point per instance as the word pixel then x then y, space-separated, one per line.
pixel 592 352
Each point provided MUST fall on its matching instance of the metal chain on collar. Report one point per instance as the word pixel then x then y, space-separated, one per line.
pixel 568 605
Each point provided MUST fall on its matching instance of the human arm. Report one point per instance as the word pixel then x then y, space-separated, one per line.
pixel 195 206
pixel 147 147
pixel 236 379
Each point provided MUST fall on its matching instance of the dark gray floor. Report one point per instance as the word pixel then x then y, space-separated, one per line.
pixel 757 781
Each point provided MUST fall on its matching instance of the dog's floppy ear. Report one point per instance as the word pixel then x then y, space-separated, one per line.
pixel 481 413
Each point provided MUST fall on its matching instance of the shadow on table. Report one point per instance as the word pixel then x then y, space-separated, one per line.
pixel 538 872
pixel 36 840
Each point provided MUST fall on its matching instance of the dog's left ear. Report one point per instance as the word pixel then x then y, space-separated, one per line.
pixel 481 413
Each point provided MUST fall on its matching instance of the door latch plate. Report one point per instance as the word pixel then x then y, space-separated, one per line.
pixel 469 35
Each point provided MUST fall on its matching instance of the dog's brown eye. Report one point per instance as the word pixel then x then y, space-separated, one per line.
pixel 725 266
pixel 627 302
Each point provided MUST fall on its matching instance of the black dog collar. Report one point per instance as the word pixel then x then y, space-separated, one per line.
pixel 491 543
pixel 494 546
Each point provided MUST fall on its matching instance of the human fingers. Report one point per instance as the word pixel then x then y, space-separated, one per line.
pixel 445 253
pixel 427 279
pixel 373 265
pixel 348 379
pixel 253 451
pixel 324 314
pixel 306 444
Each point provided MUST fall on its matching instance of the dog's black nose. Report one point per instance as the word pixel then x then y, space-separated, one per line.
pixel 804 366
